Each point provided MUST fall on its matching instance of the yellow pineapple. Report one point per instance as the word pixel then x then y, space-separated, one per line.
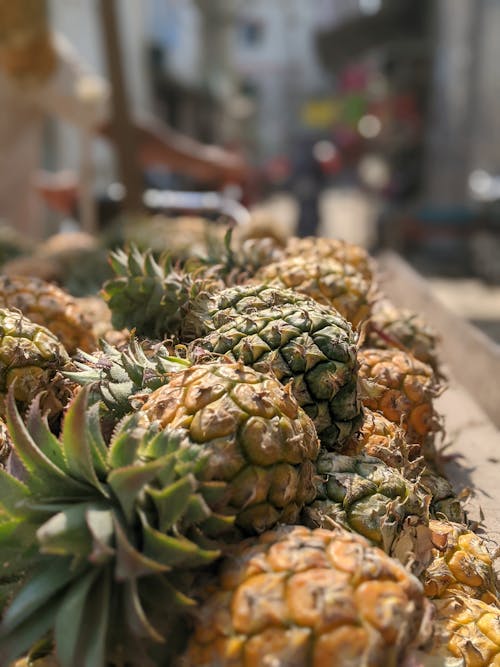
pixel 461 564
pixel 466 634
pixel 31 359
pixel 392 327
pixel 257 439
pixel 50 306
pixel 308 598
pixel 386 441
pixel 402 388
pixel 336 249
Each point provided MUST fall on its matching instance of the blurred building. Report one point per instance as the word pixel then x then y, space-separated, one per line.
pixel 275 59
pixel 464 120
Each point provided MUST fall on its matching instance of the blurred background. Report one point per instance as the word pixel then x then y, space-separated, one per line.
pixel 376 121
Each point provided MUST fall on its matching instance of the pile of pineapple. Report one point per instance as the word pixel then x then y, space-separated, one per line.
pixel 231 462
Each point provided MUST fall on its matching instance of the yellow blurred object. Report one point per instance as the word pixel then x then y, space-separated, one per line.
pixel 26 49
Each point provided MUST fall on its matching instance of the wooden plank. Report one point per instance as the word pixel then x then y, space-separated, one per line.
pixel 475 445
pixel 473 358
pixel 122 131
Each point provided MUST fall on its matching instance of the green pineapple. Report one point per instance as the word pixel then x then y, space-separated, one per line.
pixel 445 503
pixel 270 329
pixel 364 495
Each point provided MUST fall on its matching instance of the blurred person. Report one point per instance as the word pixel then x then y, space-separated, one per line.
pixel 309 180
pixel 42 75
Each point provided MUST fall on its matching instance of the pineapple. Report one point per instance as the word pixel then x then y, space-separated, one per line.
pixel 50 306
pixel 272 330
pixel 308 598
pixel 462 564
pixel 259 442
pixel 380 438
pixel 80 258
pixel 319 249
pixel 386 441
pixel 33 267
pixel 236 266
pixel 112 533
pixel 462 584
pixel 326 281
pixel 99 317
pixel 30 360
pixel 391 327
pixel 466 634
pixel 402 389
pixel 365 496
pixel 255 253
pixel 445 502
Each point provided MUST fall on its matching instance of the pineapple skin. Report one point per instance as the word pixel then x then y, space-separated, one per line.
pixel 462 564
pixel 466 633
pixel 324 248
pixel 402 388
pixel 307 598
pixel 50 306
pixel 393 327
pixel 326 281
pixel 364 495
pixel 30 357
pixel 386 441
pixel 272 330
pixel 300 341
pixel 257 439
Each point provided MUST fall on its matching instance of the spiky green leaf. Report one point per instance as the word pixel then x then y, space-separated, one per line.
pixel 135 616
pixel 66 533
pixel 69 622
pixel 47 442
pixel 21 637
pixel 96 622
pixel 42 473
pixel 171 501
pixel 125 443
pixel 98 448
pixel 175 551
pixel 130 563
pixel 101 526
pixel 13 493
pixel 48 581
pixel 128 482
pixel 76 443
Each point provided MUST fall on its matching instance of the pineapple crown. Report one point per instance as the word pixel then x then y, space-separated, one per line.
pixel 150 296
pixel 115 375
pixel 102 531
